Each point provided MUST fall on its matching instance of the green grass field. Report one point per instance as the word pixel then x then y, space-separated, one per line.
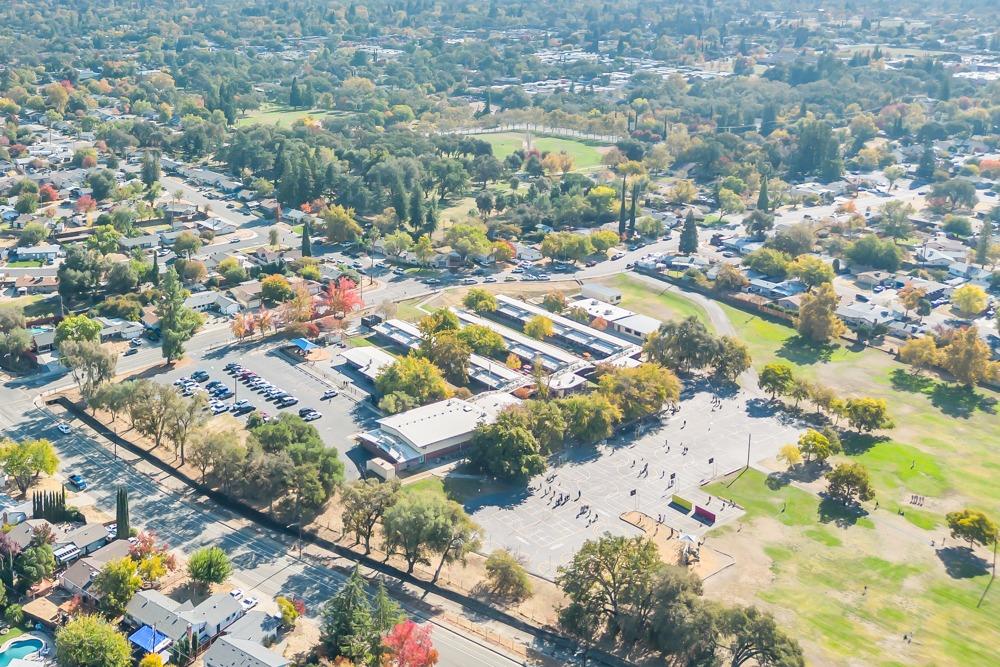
pixel 25 264
pixel 38 305
pixel 584 155
pixel 270 114
pixel 943 448
pixel 663 305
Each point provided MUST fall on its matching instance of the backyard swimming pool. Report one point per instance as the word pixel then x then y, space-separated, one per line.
pixel 20 648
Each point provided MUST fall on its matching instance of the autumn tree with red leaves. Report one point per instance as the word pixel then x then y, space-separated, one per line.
pixel 342 296
pixel 409 645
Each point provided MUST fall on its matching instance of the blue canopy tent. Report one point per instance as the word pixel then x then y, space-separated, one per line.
pixel 149 640
pixel 304 345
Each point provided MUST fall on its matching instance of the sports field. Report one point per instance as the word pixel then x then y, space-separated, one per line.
pixel 585 156
pixel 270 114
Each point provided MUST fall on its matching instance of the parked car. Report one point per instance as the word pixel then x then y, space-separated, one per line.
pixel 129 352
pixel 237 593
pixel 328 394
pixel 312 415
pixel 199 376
pixel 64 428
pixel 135 342
pixel 248 603
pixel 77 481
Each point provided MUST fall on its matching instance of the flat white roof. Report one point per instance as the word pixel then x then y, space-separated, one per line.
pixel 644 324
pixel 369 360
pixel 602 309
pixel 429 424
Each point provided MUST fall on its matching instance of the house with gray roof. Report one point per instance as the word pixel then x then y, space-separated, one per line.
pixel 231 651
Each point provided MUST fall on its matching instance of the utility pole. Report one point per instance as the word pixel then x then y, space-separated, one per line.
pixel 748 451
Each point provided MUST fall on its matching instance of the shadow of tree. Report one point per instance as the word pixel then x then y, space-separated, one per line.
pixel 960 401
pixel 804 472
pixel 799 350
pixel 962 562
pixel 859 443
pixel 841 515
pixel 903 380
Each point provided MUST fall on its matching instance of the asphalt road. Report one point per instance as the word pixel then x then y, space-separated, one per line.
pixel 264 562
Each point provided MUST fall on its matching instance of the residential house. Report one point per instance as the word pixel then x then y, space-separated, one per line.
pixel 217 226
pixel 117 328
pixel 866 314
pixel 77 579
pixel 210 300
pixel 230 651
pixel 39 253
pixel 173 619
pixel 776 290
pixel 22 533
pixel 527 253
pixel 247 294
pixel 144 242
pixel 36 284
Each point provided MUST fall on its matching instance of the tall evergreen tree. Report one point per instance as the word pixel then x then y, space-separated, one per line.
pixel 348 628
pixel 295 97
pixel 122 515
pixel 417 209
pixel 621 211
pixel 154 274
pixel 631 216
pixel 306 241
pixel 985 240
pixel 763 203
pixel 927 164
pixel 689 235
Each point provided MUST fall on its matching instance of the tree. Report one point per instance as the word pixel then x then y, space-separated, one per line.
pixel 814 446
pixel 150 170
pixel 507 448
pixel 415 377
pixel 340 224
pixel 921 353
pixel 817 320
pixel 506 576
pixel 639 391
pixel 972 526
pixel 682 345
pixel 417 526
pixel 151 660
pixel 867 414
pixel 539 327
pixel 730 279
pixel 397 243
pixel 275 289
pixel 590 417
pixel 480 301
pixel 24 461
pixel 468 240
pixel 342 297
pixel 758 224
pixel 177 322
pixel 423 249
pixel 849 483
pixel 790 454
pixel 89 363
pixel 483 340
pixel 288 611
pixel 683 192
pixel 347 628
pixel 183 419
pixel 770 262
pixel 875 252
pixel 689 235
pixel 968 358
pixel 730 202
pixel 209 565
pixel 115 585
pixel 956 192
pixel 608 582
pixel 896 218
pixel 969 300
pixel 754 636
pixel 450 354
pixel 122 523
pixel 763 202
pixel 893 173
pixel 33 234
pixel 554 302
pixel 306 241
pixel 984 241
pixel 78 328
pixel 364 504
pixel 186 244
pixel 811 270
pixel 732 358
pixel 776 379
pixel 90 641
pixel 409 645
pixel 604 239
pixel 35 563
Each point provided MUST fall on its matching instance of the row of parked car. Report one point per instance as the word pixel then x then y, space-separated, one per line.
pixel 280 397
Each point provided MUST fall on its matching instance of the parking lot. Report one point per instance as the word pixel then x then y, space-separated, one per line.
pixel 340 415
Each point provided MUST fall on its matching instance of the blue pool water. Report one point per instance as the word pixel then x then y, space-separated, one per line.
pixel 20 649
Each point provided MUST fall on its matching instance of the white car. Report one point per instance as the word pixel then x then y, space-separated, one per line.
pixel 64 428
pixel 236 593
pixel 248 603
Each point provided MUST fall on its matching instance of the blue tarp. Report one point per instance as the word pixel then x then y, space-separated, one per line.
pixel 149 640
pixel 303 344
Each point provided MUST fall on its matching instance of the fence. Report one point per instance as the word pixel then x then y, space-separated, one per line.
pixel 566 132
pixel 246 511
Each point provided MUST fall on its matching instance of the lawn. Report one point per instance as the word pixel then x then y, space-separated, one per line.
pixel 942 448
pixel 271 114
pixel 662 304
pixel 851 590
pixel 407 310
pixel 38 305
pixel 585 156
pixel 25 264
